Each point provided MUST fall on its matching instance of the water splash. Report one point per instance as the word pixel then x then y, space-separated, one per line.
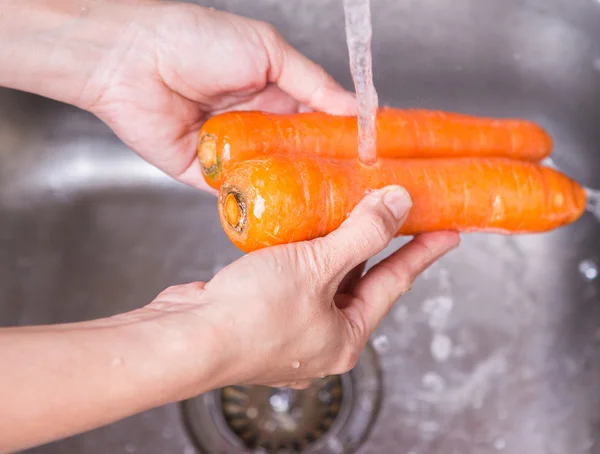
pixel 358 38
pixel 593 202
pixel 381 344
pixel 588 269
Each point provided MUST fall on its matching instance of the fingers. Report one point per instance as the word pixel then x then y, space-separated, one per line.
pixel 272 99
pixel 304 80
pixel 368 230
pixel 388 280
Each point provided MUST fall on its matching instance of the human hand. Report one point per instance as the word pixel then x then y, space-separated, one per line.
pixel 174 64
pixel 279 315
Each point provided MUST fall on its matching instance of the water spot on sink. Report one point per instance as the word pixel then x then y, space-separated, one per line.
pixel 438 309
pixel 401 314
pixel 433 382
pixel 499 444
pixel 167 433
pixel 441 347
pixel 597 60
pixel 381 344
pixel 588 269
pixel 429 427
pixel 130 448
pixel 335 445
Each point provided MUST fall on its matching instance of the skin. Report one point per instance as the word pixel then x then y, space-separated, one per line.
pixel 137 66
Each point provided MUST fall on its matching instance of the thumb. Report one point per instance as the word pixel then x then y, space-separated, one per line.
pixel 369 229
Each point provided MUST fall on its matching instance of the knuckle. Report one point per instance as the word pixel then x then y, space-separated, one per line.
pixel 312 258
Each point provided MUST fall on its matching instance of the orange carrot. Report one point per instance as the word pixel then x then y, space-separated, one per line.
pixel 236 136
pixel 280 199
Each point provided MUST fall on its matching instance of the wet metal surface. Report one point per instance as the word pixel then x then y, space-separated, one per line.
pixel 495 349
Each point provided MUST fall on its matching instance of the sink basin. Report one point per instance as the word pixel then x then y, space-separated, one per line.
pixel 495 349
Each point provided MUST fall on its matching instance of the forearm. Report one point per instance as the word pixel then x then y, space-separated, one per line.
pixel 61 380
pixel 52 47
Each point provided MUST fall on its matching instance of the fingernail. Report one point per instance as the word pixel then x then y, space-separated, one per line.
pixel 398 201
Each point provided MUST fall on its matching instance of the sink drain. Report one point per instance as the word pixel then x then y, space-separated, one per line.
pixel 280 420
pixel 332 416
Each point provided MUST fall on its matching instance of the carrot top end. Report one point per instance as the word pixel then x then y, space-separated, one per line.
pixel 208 155
pixel 234 209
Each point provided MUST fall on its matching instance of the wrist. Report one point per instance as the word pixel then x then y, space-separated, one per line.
pixel 186 354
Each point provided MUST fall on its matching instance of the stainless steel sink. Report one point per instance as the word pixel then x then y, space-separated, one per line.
pixel 496 348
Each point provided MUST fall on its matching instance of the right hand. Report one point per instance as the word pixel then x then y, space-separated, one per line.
pixel 281 316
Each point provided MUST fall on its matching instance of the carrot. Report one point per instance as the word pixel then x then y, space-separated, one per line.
pixel 282 199
pixel 236 136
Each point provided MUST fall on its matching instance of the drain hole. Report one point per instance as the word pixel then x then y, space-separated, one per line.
pixel 280 419
pixel 332 416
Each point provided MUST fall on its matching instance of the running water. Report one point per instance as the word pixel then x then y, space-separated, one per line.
pixel 593 202
pixel 358 37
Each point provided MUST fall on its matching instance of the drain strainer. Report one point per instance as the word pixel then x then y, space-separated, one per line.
pixel 332 416
pixel 276 420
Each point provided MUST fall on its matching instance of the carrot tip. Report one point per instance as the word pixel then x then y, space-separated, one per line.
pixel 207 153
pixel 234 209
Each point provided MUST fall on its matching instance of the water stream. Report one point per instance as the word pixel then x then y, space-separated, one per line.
pixel 358 37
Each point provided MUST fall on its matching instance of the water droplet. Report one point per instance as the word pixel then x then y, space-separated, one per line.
pixel 365 403
pixel 130 447
pixel 499 444
pixel 296 364
pixel 441 347
pixel 439 310
pixel 429 427
pixel 401 314
pixel 252 413
pixel 381 344
pixel 280 402
pixel 189 450
pixel 597 62
pixel 433 382
pixel 325 397
pixel 589 269
pixel 335 445
pixel 167 433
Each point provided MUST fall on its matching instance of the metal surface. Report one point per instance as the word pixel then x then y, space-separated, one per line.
pixel 496 348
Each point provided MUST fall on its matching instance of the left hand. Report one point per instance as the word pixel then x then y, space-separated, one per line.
pixel 174 64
